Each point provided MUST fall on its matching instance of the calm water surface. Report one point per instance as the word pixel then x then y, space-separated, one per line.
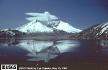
pixel 58 52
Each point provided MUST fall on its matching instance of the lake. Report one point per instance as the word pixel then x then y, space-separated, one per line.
pixel 63 52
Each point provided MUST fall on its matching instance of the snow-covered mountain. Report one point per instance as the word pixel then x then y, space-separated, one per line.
pixel 45 22
pixel 7 31
pixel 10 34
pixel 104 28
pixel 99 31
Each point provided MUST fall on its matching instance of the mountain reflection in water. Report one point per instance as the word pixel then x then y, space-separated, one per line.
pixel 42 50
pixel 65 51
pixel 104 45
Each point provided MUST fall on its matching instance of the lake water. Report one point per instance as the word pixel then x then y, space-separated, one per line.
pixel 65 52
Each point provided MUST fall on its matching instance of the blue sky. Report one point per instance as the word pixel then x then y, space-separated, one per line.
pixel 79 13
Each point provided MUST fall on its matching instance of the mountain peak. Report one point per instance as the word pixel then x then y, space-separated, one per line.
pixel 46 22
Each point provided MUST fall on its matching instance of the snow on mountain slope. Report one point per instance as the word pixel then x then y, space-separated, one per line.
pixel 98 31
pixel 34 27
pixel 45 22
pixel 104 28
pixel 67 27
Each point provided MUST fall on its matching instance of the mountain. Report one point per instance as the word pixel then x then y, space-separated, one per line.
pixel 45 26
pixel 99 31
pixel 104 28
pixel 9 33
pixel 45 22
